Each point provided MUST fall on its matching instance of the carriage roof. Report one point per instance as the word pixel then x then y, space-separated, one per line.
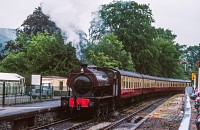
pixel 131 74
pixel 178 80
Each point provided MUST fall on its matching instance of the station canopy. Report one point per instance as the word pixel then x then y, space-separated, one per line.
pixel 10 77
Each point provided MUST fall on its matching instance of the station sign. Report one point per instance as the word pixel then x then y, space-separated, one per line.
pixel 36 80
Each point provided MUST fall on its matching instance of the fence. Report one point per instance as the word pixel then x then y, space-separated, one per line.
pixel 13 95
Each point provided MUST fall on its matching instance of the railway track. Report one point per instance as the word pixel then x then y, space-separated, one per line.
pixel 128 114
pixel 134 115
pixel 86 124
pixel 47 126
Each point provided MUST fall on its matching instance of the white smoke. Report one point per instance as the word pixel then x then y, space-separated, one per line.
pixel 70 15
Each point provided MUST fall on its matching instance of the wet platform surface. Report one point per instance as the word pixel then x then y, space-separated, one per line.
pixel 24 108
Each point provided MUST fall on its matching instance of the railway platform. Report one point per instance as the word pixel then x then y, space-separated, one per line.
pixel 171 110
pixel 26 108
pixel 178 113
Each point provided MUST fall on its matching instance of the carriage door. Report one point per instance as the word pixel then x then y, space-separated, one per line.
pixel 115 85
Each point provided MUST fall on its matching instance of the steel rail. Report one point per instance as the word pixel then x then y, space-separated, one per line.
pixel 114 124
pixel 51 124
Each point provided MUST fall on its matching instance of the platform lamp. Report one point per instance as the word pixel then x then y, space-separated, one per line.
pixel 198 76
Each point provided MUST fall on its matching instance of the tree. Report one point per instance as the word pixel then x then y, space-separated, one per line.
pixel 37 22
pixel 108 52
pixel 168 59
pixel 192 55
pixel 131 23
pixel 44 54
pixel 169 54
pixel 166 34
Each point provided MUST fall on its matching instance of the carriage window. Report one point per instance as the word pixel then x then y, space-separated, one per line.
pixel 126 86
pixel 128 81
pixel 136 85
pixel 131 83
pixel 123 82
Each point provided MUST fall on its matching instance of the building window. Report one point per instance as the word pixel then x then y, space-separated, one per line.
pixel 61 85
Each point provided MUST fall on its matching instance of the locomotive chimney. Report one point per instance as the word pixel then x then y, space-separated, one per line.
pixel 84 65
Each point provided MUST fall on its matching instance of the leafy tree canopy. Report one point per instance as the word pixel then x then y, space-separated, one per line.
pixel 37 22
pixel 109 52
pixel 44 54
pixel 131 23
pixel 166 34
pixel 192 55
pixel 168 59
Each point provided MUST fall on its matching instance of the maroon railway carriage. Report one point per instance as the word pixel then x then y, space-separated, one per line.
pixel 100 90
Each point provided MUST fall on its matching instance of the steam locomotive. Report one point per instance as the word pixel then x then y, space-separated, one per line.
pixel 99 90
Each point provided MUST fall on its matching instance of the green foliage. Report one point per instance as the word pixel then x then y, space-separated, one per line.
pixel 108 52
pixel 101 59
pixel 44 54
pixel 168 59
pixel 131 23
pixel 38 49
pixel 169 54
pixel 192 55
pixel 152 50
pixel 166 34
pixel 37 22
pixel 122 37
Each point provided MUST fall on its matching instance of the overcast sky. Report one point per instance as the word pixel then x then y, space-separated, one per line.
pixel 180 16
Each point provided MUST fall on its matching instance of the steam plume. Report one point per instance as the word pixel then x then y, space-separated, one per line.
pixel 71 15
